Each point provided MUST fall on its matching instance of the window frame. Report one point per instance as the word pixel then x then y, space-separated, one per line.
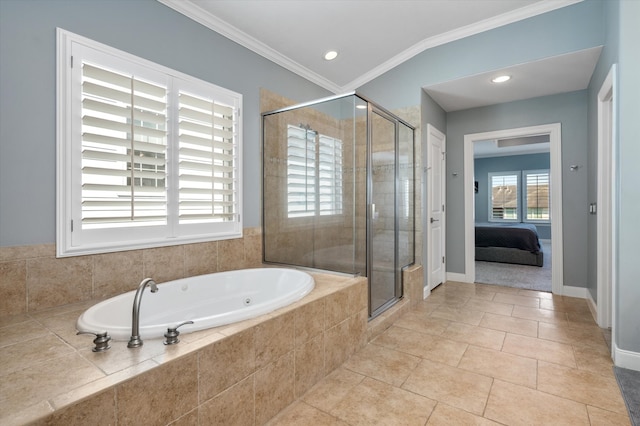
pixel 79 241
pixel 490 177
pixel 525 206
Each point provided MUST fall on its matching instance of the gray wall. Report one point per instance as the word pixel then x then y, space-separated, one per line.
pixel 608 57
pixel 145 28
pixel 483 166
pixel 432 114
pixel 565 30
pixel 627 233
pixel 568 109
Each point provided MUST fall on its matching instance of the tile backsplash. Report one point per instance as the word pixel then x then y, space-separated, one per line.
pixel 33 279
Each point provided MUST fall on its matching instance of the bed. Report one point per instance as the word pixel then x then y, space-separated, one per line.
pixel 508 243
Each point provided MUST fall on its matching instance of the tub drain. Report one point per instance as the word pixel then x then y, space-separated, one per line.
pixel 247 301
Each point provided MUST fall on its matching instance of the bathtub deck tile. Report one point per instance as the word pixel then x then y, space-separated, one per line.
pixel 120 357
pixel 41 381
pixel 80 377
pixel 274 338
pixel 236 353
pixel 274 388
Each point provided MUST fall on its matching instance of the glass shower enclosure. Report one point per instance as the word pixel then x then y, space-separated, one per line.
pixel 338 192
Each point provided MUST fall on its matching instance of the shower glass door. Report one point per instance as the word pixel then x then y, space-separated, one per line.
pixel 383 281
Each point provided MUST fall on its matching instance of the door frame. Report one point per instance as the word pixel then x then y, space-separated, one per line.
pixel 431 129
pixel 554 130
pixel 606 203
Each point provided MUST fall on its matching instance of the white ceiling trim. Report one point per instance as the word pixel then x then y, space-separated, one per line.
pixel 196 13
pixel 216 24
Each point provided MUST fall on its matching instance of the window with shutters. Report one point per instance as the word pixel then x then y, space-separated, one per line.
pixel 314 173
pixel 536 195
pixel 504 202
pixel 521 196
pixel 147 156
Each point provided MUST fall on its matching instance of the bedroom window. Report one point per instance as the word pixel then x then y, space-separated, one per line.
pixel 147 156
pixel 521 196
pixel 536 195
pixel 314 173
pixel 504 205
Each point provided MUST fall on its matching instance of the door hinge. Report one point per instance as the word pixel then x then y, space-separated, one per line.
pixel 72 62
pixel 442 259
pixel 72 226
pixel 443 208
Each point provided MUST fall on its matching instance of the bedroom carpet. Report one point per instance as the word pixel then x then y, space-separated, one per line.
pixel 519 276
pixel 629 382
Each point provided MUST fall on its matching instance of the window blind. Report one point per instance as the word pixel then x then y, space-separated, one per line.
pixel 301 172
pixel 206 161
pixel 537 196
pixel 330 175
pixel 504 197
pixel 124 147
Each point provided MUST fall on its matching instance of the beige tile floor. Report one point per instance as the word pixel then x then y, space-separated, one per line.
pixel 474 354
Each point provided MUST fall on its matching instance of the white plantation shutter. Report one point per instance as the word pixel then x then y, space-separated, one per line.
pixel 147 156
pixel 301 172
pixel 330 175
pixel 314 173
pixel 536 197
pixel 207 161
pixel 504 199
pixel 124 144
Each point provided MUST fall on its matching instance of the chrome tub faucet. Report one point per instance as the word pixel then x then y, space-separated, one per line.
pixel 135 340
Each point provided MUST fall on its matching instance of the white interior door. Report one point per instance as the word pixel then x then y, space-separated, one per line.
pixel 435 206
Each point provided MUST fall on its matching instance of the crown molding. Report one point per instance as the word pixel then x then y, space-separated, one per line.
pixel 488 24
pixel 196 13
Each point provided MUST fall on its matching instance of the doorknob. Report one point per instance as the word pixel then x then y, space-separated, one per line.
pixel 434 220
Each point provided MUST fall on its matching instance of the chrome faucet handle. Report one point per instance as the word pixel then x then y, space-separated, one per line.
pixel 101 341
pixel 173 333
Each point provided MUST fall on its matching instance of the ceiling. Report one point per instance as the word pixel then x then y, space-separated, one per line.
pixel 549 76
pixel 374 36
pixel 371 36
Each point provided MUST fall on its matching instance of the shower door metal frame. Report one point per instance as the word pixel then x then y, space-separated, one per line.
pixel 373 108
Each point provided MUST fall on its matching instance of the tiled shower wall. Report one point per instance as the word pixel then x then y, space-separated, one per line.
pixel 32 278
pixel 290 242
pixel 310 241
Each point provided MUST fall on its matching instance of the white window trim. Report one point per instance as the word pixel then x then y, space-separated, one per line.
pixel 518 200
pixel 65 160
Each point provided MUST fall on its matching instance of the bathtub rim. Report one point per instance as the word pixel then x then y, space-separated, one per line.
pixel 85 323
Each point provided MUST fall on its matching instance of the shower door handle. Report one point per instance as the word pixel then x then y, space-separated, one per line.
pixel 434 220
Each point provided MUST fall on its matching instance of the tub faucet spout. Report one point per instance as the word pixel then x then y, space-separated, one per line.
pixel 135 340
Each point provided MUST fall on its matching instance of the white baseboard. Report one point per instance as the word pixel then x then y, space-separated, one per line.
pixel 425 292
pixel 626 359
pixel 593 307
pixel 580 292
pixel 454 276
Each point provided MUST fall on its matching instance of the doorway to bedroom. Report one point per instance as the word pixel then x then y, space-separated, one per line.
pixel 513 206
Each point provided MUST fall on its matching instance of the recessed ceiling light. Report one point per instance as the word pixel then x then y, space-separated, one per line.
pixel 330 55
pixel 361 106
pixel 501 79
